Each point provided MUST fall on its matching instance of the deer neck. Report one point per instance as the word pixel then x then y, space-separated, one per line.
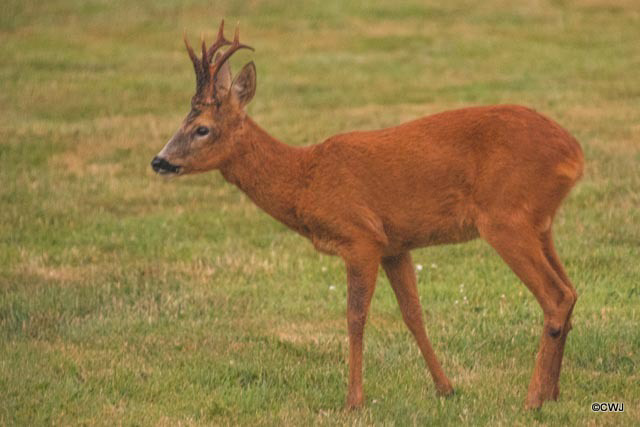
pixel 267 171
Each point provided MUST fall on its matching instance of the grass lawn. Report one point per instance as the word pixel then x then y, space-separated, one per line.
pixel 129 299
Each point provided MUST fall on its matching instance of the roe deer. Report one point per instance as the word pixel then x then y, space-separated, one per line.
pixel 496 172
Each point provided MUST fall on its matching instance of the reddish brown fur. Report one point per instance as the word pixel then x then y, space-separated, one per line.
pixel 498 172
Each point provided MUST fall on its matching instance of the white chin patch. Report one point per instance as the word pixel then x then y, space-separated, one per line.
pixel 168 174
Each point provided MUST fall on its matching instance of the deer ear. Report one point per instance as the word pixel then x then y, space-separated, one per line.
pixel 244 85
pixel 223 79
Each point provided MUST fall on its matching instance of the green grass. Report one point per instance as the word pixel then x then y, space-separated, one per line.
pixel 128 299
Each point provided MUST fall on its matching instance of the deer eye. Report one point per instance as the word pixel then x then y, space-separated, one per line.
pixel 202 131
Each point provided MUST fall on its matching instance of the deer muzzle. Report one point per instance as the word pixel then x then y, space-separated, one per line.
pixel 163 167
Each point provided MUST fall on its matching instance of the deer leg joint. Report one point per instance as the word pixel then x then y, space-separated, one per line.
pixel 554 332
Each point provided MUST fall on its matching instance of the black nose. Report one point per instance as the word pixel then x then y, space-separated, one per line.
pixel 161 165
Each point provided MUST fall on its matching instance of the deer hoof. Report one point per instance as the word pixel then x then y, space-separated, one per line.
pixel 354 402
pixel 444 390
pixel 534 402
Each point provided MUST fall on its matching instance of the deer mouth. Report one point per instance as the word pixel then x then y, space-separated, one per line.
pixel 162 167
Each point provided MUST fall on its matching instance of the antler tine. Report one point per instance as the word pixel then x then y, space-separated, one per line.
pixel 236 39
pixel 235 46
pixel 205 61
pixel 220 41
pixel 192 54
pixel 202 73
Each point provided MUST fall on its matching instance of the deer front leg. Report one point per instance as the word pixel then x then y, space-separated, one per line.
pixel 362 271
pixel 400 272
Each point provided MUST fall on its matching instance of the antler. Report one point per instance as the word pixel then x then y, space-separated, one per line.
pixel 220 41
pixel 235 46
pixel 201 76
pixel 206 72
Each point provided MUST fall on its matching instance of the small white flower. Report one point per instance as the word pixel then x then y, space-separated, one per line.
pixel 434 266
pixel 332 288
pixel 324 269
pixel 455 302
pixel 419 267
pixel 374 401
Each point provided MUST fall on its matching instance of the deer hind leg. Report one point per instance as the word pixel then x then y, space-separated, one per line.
pixel 552 257
pixel 362 271
pixel 399 270
pixel 521 247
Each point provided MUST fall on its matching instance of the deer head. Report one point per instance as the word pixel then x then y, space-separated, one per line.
pixel 207 137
